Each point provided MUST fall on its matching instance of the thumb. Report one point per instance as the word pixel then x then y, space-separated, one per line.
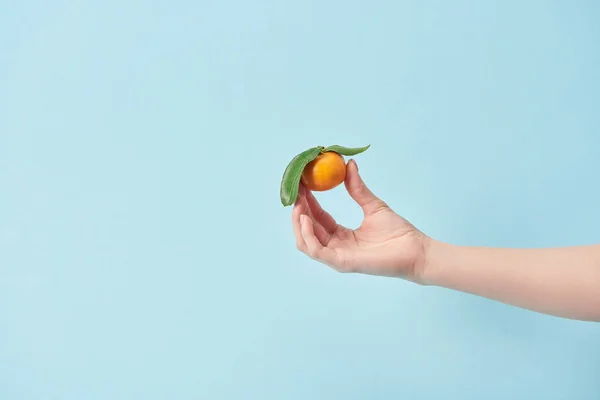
pixel 359 191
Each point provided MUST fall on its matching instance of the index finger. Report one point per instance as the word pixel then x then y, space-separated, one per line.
pixel 322 216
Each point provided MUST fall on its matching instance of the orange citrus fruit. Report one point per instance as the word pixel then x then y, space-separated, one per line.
pixel 324 172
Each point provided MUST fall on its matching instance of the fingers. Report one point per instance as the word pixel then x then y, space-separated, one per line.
pixel 296 214
pixel 359 191
pixel 301 208
pixel 308 242
pixel 320 215
pixel 314 248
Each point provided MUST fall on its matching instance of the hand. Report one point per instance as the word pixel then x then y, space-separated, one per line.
pixel 385 243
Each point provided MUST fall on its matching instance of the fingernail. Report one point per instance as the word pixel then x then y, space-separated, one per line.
pixel 302 219
pixel 355 164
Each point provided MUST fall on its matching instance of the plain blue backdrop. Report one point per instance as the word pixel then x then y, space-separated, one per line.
pixel 144 253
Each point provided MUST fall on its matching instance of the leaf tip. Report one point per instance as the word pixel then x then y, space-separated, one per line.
pixel 285 203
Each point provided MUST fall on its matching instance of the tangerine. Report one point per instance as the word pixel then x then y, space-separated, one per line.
pixel 325 172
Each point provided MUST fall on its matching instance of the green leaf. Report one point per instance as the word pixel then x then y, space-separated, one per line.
pixel 290 181
pixel 346 151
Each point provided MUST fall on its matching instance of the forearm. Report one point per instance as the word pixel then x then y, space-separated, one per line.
pixel 562 281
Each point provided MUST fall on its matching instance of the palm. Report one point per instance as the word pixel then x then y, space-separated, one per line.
pixel 384 244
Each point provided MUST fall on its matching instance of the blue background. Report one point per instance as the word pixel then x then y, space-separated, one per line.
pixel 144 253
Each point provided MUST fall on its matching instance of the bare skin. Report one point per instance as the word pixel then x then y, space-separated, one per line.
pixel 564 282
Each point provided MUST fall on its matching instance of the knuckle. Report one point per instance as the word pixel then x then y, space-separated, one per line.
pixel 376 205
pixel 345 267
pixel 314 253
pixel 340 269
pixel 319 213
pixel 380 206
pixel 357 189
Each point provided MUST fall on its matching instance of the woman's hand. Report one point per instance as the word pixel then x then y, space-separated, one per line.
pixel 557 281
pixel 385 243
